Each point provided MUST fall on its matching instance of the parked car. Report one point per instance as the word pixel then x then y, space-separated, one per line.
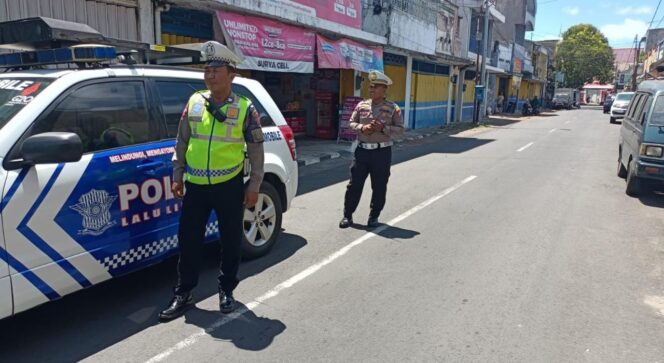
pixel 619 106
pixel 641 145
pixel 561 101
pixel 608 101
pixel 85 176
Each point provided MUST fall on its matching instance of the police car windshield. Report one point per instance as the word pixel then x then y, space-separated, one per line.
pixel 16 93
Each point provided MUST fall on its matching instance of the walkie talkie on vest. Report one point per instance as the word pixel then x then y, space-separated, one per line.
pixel 217 113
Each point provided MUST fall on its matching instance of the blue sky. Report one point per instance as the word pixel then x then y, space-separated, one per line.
pixel 620 21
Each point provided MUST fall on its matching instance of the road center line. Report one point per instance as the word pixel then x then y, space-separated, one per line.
pixel 192 339
pixel 525 147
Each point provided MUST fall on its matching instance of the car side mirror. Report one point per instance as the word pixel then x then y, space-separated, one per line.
pixel 52 148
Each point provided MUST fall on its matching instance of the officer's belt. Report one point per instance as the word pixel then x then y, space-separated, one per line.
pixel 374 145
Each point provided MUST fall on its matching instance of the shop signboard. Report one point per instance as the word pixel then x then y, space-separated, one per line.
pixel 505 57
pixel 268 45
pixel 347 108
pixel 344 12
pixel 348 54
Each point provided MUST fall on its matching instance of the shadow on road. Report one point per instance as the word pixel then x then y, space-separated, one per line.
pixel 91 320
pixel 247 331
pixel 653 196
pixel 322 175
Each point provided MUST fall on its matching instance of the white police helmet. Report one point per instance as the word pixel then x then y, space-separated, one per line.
pixel 218 55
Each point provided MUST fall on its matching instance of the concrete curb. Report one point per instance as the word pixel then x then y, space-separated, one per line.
pixel 315 160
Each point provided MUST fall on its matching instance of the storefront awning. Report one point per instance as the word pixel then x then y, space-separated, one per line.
pixel 492 69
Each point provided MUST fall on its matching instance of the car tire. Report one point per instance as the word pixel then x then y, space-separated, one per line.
pixel 262 224
pixel 622 171
pixel 634 183
pixel 612 120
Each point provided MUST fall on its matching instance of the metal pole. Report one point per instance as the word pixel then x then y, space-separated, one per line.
pixel 485 45
pixel 476 110
pixel 636 61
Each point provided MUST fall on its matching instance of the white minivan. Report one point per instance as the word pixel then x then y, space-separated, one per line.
pixel 85 176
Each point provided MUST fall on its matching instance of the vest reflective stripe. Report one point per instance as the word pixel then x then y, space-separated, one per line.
pixel 215 152
pixel 218 138
pixel 204 173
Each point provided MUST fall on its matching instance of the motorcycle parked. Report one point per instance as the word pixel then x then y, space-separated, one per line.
pixel 527 109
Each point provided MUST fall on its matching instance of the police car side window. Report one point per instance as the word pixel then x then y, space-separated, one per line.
pixel 105 115
pixel 173 96
pixel 243 91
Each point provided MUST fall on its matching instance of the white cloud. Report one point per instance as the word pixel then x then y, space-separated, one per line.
pixel 573 11
pixel 625 31
pixel 640 10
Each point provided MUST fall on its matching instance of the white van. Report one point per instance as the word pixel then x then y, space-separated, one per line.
pixel 76 211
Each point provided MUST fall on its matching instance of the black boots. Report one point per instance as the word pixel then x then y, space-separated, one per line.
pixel 345 222
pixel 373 222
pixel 227 303
pixel 176 307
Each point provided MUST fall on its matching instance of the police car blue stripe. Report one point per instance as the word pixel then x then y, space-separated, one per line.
pixel 13 188
pixel 29 275
pixel 40 243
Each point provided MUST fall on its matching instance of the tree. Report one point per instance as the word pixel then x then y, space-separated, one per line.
pixel 584 54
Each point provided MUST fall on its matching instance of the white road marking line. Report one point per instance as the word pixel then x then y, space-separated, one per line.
pixel 525 147
pixel 192 339
pixel 566 122
pixel 552 130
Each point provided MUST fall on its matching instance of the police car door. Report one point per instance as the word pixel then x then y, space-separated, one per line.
pixel 6 306
pixel 75 224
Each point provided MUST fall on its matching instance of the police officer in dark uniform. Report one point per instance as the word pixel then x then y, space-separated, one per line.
pixel 376 121
pixel 209 158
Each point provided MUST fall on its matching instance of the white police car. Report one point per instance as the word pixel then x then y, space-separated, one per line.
pixel 85 176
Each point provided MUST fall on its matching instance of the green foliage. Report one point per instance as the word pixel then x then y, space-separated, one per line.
pixel 584 54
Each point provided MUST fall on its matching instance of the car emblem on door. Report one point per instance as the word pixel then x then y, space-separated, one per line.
pixel 94 207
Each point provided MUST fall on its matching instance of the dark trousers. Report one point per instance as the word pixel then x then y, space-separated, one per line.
pixel 376 163
pixel 227 201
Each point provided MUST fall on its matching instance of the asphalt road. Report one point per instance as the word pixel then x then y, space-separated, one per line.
pixel 510 243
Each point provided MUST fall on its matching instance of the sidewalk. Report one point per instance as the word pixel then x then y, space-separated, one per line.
pixel 312 151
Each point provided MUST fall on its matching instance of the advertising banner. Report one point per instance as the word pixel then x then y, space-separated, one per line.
pixel 268 45
pixel 344 12
pixel 348 54
pixel 345 132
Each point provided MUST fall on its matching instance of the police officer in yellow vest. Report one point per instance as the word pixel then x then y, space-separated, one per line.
pixel 214 129
pixel 376 120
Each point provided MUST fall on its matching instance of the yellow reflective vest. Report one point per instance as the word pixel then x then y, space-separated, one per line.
pixel 215 152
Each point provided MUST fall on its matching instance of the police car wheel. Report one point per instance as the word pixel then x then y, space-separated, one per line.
pixel 262 224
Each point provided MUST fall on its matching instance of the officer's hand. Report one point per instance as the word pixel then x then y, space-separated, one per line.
pixel 367 128
pixel 250 199
pixel 178 189
pixel 377 125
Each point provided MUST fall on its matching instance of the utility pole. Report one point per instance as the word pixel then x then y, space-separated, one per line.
pixel 636 61
pixel 476 109
pixel 485 46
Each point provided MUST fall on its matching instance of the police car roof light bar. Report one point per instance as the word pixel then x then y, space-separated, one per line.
pixel 77 54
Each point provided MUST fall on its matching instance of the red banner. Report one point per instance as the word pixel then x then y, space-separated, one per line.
pixel 268 45
pixel 348 54
pixel 344 12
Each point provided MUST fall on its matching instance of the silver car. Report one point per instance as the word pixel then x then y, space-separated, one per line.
pixel 619 106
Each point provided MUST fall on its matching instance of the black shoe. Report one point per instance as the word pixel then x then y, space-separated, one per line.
pixel 226 302
pixel 345 222
pixel 176 307
pixel 373 222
